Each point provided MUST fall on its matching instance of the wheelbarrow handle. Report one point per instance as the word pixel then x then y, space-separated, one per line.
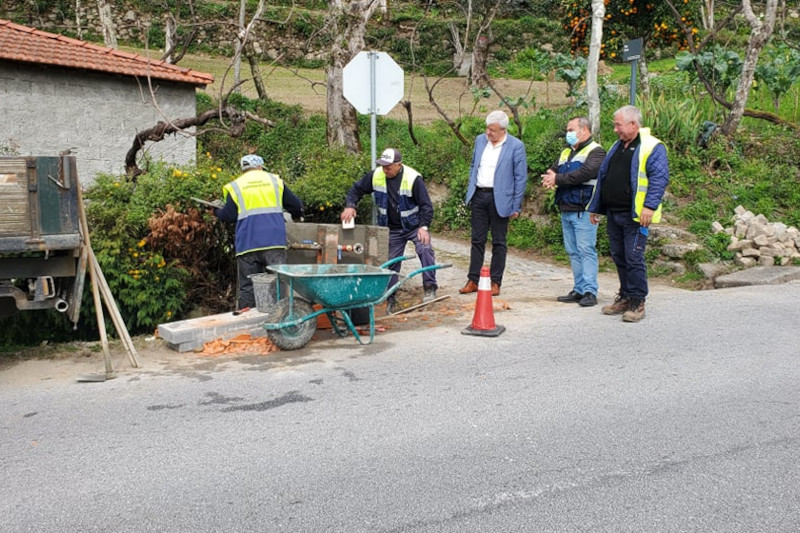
pixel 400 282
pixel 390 262
pixel 427 268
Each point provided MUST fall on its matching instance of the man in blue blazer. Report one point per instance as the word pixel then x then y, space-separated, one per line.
pixel 497 179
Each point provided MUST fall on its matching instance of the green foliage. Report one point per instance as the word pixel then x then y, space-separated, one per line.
pixel 678 120
pixel 529 63
pixel 148 290
pixel 528 234
pixel 544 138
pixel 155 35
pixel 571 70
pixel 695 257
pixel 720 66
pixel 149 286
pixel 717 245
pixel 329 175
pixel 778 71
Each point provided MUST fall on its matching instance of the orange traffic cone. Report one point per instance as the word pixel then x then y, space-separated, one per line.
pixel 483 320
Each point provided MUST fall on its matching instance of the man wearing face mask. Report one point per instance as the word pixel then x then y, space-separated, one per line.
pixel 573 176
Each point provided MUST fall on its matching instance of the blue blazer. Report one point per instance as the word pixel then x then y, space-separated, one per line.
pixel 510 176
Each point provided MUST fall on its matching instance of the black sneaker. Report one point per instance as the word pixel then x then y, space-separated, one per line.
pixel 588 300
pixel 570 298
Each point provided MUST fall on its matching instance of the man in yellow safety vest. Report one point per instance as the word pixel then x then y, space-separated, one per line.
pixel 255 202
pixel 630 186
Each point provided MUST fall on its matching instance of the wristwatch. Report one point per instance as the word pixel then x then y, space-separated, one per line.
pixel 424 227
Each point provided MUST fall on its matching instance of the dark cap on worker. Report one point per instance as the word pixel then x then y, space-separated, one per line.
pixel 389 156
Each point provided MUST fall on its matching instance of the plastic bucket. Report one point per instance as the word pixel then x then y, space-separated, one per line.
pixel 264 290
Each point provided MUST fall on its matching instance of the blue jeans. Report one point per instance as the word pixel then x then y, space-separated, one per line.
pixel 580 240
pixel 627 246
pixel 397 246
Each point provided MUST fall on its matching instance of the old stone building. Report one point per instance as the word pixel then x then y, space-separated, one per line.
pixel 59 93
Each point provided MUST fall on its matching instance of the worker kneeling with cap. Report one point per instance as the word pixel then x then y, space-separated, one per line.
pixel 405 207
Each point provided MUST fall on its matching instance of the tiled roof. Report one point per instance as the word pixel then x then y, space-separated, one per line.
pixel 29 45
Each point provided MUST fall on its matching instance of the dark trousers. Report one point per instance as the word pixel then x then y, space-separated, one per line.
pixel 397 247
pixel 484 219
pixel 627 245
pixel 255 263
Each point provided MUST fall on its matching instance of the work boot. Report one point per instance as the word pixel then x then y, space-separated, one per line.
pixel 588 300
pixel 391 306
pixel 620 305
pixel 495 289
pixel 635 312
pixel 471 286
pixel 429 294
pixel 570 298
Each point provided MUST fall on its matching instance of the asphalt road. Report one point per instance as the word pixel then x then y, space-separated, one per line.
pixel 569 421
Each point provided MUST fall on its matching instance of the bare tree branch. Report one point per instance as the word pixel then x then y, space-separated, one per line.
pixel 236 118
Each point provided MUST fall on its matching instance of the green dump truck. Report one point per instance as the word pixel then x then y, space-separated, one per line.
pixel 42 264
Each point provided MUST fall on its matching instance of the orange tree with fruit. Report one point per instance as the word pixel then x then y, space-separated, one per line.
pixel 652 20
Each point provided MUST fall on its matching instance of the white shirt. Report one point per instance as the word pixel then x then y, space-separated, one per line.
pixel 488 164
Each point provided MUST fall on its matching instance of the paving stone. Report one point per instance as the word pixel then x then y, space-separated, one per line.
pixel 759 275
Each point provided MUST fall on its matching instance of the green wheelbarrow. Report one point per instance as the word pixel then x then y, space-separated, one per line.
pixel 336 288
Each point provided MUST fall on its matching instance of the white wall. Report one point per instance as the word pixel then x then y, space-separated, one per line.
pixel 45 110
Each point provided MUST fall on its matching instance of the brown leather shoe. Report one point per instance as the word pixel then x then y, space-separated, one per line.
pixel 495 289
pixel 471 286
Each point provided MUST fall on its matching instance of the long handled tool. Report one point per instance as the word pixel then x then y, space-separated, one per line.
pixel 98 305
pixel 100 287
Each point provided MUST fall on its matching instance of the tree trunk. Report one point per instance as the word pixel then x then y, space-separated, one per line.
pixel 78 27
pixel 237 64
pixel 592 90
pixel 707 14
pixel 107 22
pixel 645 74
pixel 759 35
pixel 252 60
pixel 170 36
pixel 347 25
pixel 480 56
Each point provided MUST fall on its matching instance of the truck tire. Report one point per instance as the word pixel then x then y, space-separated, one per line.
pixel 291 337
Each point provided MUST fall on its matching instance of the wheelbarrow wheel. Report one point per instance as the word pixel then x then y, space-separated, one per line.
pixel 291 337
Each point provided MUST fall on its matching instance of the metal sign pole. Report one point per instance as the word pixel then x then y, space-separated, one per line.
pixel 373 128
pixel 632 51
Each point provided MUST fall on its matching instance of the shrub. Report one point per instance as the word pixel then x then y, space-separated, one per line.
pixel 142 261
pixel 329 175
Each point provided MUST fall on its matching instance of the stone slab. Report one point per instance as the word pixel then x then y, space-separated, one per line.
pixel 758 276
pixel 207 328
pixel 199 344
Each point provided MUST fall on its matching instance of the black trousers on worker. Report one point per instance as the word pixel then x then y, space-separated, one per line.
pixel 485 219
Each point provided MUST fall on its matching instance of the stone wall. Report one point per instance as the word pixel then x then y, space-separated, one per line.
pixel 48 110
pixel 213 35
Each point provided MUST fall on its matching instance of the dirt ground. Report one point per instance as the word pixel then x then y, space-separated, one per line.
pixel 528 283
pixel 306 88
